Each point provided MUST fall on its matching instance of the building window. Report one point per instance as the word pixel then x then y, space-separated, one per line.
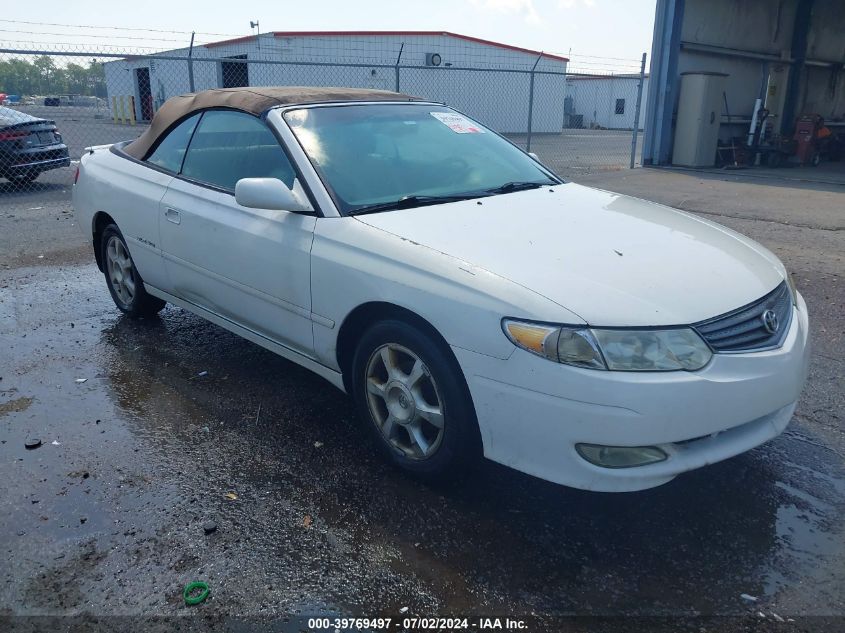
pixel 234 74
pixel 620 106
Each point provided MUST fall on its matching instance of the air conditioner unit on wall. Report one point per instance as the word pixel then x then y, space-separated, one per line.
pixel 433 59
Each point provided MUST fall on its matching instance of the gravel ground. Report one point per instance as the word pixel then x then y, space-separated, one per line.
pixel 178 423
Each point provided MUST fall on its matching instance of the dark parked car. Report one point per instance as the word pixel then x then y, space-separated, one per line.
pixel 28 146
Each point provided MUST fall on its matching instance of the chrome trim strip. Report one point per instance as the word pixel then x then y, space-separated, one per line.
pixel 41 162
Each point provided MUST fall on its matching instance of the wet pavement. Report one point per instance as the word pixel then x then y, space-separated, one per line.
pixel 179 422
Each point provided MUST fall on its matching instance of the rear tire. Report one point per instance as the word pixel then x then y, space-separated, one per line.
pixel 122 278
pixel 412 398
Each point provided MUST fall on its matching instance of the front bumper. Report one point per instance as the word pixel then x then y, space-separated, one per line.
pixel 532 412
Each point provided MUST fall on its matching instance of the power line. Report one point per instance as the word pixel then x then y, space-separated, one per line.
pixel 86 35
pixel 592 69
pixel 619 59
pixel 118 28
pixel 599 63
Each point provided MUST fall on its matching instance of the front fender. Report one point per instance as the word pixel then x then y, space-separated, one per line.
pixel 353 263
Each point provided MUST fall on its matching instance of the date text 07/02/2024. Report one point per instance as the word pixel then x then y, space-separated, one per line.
pixel 417 623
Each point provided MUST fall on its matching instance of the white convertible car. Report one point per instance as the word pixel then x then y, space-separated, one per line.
pixel 470 301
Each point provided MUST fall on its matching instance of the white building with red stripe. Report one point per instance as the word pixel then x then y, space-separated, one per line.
pixel 487 80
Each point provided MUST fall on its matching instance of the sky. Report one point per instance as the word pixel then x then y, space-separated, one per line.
pixel 599 34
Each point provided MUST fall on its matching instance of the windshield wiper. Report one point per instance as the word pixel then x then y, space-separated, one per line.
pixel 508 187
pixel 409 202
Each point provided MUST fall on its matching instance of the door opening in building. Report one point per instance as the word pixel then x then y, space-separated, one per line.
pixel 145 94
pixel 234 74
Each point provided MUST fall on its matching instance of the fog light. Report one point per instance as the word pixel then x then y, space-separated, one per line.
pixel 620 456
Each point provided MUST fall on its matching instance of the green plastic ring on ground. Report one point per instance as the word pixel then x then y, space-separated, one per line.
pixel 190 588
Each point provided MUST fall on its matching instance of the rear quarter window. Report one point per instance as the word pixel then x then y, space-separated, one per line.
pixel 170 152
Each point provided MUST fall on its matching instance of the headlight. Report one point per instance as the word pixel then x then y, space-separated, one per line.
pixel 653 350
pixel 616 349
pixel 561 344
pixel 792 289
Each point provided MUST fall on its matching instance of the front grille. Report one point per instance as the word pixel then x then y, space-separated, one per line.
pixel 744 329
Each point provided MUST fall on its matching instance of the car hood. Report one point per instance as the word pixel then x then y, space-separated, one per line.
pixel 611 259
pixel 9 117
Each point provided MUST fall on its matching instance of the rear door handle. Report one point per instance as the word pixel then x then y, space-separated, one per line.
pixel 173 215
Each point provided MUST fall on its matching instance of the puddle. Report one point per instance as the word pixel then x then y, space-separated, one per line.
pixel 162 445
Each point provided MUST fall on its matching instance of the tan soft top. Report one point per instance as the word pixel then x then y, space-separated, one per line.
pixel 254 100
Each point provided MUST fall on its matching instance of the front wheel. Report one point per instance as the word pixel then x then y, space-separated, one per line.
pixel 412 397
pixel 125 284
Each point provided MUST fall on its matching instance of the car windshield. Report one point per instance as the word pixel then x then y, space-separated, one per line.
pixel 385 156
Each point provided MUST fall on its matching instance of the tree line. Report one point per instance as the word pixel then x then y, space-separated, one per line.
pixel 41 76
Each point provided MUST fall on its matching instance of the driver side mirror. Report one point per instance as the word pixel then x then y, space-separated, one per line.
pixel 269 193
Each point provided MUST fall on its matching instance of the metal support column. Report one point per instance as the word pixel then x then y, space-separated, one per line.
pixel 663 82
pixel 800 31
pixel 637 113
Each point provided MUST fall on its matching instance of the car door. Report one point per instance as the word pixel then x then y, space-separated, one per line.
pixel 141 198
pixel 251 266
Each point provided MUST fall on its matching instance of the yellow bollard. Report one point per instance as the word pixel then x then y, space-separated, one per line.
pixel 114 108
pixel 131 110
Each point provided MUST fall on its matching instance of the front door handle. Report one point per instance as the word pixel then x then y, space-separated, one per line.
pixel 173 215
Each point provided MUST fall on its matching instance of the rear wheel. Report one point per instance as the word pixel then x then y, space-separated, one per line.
pixel 125 284
pixel 412 397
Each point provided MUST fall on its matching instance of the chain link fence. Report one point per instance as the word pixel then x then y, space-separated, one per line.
pixel 55 104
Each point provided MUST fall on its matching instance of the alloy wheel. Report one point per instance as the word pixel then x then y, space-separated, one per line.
pixel 404 402
pixel 120 269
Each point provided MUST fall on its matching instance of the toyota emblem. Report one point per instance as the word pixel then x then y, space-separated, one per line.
pixel 770 321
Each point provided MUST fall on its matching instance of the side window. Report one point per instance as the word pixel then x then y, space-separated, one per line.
pixel 228 146
pixel 171 150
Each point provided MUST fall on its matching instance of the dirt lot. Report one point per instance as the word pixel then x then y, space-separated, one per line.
pixel 179 422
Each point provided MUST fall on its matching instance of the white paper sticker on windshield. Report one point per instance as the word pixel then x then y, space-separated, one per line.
pixel 457 123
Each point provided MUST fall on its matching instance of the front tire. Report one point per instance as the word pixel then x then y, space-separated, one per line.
pixel 412 397
pixel 125 284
